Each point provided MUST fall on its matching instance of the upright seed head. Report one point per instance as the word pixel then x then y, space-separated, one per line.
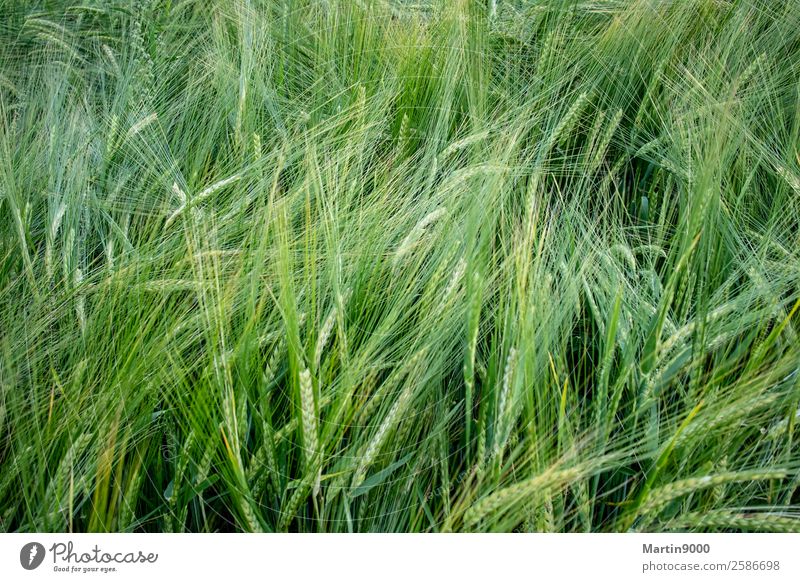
pixel 257 147
pixel 308 416
pixel 324 334
pixel 455 278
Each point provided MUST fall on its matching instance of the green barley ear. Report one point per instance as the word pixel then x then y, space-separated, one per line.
pixel 404 133
pixel 250 517
pixel 390 421
pixel 61 491
pixel 604 141
pixel 508 498
pixel 112 139
pixel 413 238
pixel 324 334
pixel 504 404
pixel 308 412
pixel 564 126
pixel 659 498
pixel 380 436
pixel 201 196
pixel 80 299
pixel 751 70
pixel 300 493
pixel 55 225
pixel 791 178
pixel 455 279
pixel 725 520
pixel 474 292
pixel 257 153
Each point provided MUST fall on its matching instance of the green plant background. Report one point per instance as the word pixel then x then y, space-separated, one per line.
pixel 370 265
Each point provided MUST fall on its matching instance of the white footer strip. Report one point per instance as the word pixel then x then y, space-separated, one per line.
pixel 415 557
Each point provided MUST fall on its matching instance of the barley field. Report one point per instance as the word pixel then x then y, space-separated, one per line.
pixel 392 266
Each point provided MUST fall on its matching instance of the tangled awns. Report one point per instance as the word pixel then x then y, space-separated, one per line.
pixel 393 266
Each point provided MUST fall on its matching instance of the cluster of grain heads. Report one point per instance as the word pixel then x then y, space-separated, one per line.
pixel 505 500
pixel 201 196
pixel 588 217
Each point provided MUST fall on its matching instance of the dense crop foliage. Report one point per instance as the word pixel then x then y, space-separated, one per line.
pixel 373 265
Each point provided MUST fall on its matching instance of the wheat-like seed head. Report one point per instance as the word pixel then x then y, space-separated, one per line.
pixel 324 334
pixel 309 416
pixel 726 520
pixel 140 125
pixel 412 238
pixel 506 498
pixel 504 403
pixel 378 439
pixel 455 279
pixel 658 498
